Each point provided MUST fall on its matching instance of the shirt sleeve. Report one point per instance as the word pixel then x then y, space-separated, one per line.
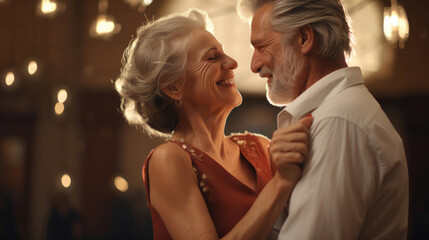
pixel 340 179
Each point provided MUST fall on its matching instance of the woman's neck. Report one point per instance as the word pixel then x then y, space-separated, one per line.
pixel 204 131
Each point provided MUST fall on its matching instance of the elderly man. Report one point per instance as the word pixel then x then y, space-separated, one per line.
pixel 355 178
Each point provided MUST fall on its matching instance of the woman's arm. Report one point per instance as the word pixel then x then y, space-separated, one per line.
pixel 287 151
pixel 175 194
pixel 265 143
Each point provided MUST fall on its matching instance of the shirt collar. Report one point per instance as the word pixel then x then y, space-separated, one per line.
pixel 325 88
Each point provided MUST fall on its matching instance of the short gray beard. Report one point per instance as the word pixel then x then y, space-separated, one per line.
pixel 283 88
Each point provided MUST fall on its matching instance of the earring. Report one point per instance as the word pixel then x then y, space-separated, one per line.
pixel 178 102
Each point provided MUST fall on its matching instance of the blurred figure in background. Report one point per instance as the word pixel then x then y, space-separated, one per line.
pixel 8 223
pixel 64 222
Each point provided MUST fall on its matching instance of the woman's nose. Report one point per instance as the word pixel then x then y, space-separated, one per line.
pixel 230 63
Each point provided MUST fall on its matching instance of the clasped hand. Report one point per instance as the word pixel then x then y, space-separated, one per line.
pixel 288 149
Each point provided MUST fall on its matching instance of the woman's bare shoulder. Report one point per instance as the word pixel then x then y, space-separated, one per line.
pixel 167 150
pixel 170 154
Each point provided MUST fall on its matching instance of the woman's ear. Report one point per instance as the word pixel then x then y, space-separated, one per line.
pixel 306 39
pixel 173 92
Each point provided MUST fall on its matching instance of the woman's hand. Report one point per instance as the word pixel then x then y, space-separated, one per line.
pixel 288 148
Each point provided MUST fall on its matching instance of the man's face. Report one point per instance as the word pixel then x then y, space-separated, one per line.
pixel 282 65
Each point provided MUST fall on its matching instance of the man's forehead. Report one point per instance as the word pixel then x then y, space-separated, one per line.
pixel 262 16
pixel 261 21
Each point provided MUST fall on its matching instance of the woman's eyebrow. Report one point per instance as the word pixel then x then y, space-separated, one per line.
pixel 210 49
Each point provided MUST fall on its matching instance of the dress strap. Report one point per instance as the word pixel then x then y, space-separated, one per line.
pixel 191 150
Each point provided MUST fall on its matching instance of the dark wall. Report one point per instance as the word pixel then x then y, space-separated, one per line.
pixel 410 117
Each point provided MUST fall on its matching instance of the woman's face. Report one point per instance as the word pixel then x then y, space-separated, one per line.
pixel 209 77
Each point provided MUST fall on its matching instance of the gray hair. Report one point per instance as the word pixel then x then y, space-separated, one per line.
pixel 153 61
pixel 328 18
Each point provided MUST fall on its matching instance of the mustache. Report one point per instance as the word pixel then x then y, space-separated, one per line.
pixel 265 71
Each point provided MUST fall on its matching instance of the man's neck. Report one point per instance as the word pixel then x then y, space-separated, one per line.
pixel 320 67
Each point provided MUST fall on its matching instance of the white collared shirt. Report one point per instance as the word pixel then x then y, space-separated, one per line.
pixel 355 178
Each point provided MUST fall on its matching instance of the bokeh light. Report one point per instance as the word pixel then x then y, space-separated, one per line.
pixel 66 180
pixel 121 184
pixel 62 95
pixel 59 108
pixel 48 7
pixel 32 67
pixel 10 78
pixel 104 26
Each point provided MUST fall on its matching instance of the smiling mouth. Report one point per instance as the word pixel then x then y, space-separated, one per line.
pixel 266 75
pixel 226 82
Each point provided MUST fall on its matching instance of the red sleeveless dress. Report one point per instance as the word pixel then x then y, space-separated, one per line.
pixel 227 199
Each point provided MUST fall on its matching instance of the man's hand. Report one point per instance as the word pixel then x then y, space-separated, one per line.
pixel 289 147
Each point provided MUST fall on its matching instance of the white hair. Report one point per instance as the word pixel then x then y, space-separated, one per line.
pixel 328 18
pixel 153 61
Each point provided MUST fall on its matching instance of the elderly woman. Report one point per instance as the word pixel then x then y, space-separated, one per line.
pixel 178 83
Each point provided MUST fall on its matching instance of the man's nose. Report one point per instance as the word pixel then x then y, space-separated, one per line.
pixel 256 63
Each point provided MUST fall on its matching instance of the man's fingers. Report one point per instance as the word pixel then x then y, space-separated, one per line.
pixel 298 147
pixel 306 121
pixel 285 158
pixel 301 125
pixel 291 137
pixel 289 147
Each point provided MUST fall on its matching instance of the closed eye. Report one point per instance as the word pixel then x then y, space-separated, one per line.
pixel 260 48
pixel 215 57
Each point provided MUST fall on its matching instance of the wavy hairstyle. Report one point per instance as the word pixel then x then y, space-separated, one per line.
pixel 328 18
pixel 153 61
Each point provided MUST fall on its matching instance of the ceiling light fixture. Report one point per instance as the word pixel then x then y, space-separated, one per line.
pixel 139 4
pixel 49 7
pixel 104 26
pixel 396 27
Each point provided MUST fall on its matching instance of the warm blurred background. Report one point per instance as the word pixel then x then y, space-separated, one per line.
pixel 69 164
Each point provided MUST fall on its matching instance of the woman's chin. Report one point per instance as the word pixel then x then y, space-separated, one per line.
pixel 239 99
